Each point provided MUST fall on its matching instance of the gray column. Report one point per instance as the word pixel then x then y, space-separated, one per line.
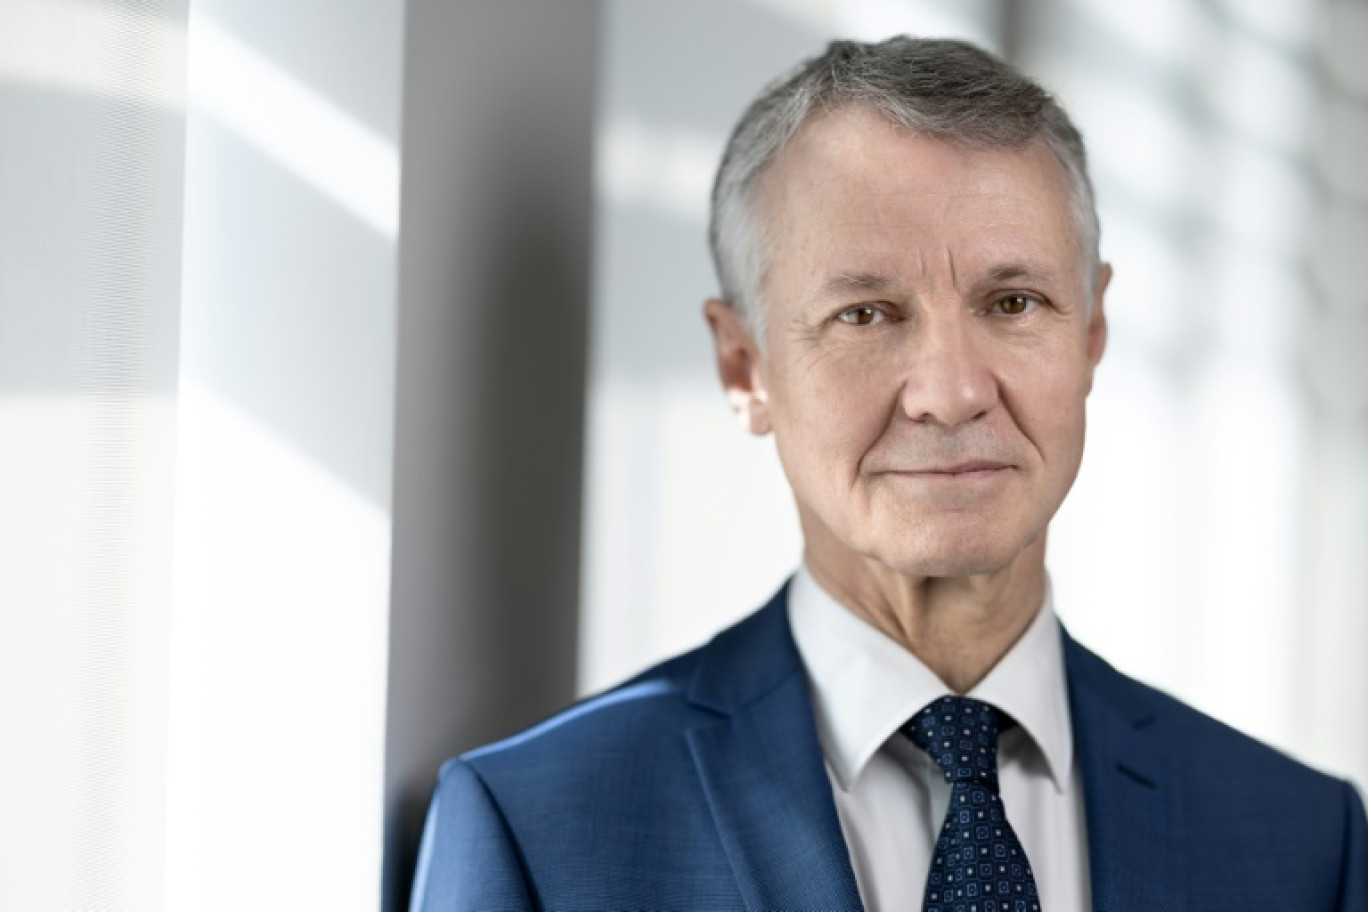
pixel 494 275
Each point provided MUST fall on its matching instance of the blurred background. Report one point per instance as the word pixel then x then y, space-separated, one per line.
pixel 356 407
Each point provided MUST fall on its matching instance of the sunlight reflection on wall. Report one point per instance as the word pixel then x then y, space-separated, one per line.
pixel 283 521
pixel 298 128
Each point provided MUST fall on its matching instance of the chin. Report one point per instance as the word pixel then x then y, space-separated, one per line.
pixel 945 566
pixel 947 553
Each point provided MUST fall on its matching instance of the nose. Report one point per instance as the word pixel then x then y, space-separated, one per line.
pixel 949 380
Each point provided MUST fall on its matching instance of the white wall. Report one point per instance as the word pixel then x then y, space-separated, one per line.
pixel 370 370
pixel 283 513
pixel 214 694
pixel 90 213
pixel 197 305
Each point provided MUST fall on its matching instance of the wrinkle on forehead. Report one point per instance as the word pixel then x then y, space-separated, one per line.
pixel 987 206
pixel 854 153
pixel 852 193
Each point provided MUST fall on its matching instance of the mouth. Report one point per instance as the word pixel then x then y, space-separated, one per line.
pixel 971 470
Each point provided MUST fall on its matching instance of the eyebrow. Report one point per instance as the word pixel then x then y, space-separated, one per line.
pixel 1007 272
pixel 877 283
pixel 844 282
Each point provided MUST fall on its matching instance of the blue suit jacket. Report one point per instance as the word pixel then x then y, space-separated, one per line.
pixel 700 785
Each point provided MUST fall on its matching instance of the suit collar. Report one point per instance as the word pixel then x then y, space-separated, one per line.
pixel 746 661
pixel 865 686
pixel 1132 797
pixel 762 769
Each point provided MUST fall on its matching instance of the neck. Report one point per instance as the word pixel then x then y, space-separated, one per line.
pixel 959 627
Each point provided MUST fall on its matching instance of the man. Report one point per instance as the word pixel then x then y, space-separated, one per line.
pixel 907 246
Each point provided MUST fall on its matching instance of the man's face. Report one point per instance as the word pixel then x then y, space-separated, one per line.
pixel 928 344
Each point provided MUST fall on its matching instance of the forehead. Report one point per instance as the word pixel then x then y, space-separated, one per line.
pixel 850 185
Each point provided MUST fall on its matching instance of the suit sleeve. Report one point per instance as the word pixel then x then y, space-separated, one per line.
pixel 468 859
pixel 1354 877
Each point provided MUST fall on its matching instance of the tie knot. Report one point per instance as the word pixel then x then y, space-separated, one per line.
pixel 960 734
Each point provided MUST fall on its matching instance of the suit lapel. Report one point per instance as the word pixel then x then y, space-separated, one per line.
pixel 762 770
pixel 1135 837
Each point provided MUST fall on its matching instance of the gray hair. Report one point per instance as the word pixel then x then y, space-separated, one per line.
pixel 942 88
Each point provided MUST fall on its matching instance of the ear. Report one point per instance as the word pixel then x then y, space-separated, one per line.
pixel 1097 321
pixel 739 365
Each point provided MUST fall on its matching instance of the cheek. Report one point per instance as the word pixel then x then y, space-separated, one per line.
pixel 1048 398
pixel 828 411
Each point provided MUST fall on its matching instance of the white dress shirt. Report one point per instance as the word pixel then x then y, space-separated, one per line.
pixel 890 795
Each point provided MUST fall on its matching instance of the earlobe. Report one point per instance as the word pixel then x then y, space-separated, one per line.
pixel 751 409
pixel 738 365
pixel 757 416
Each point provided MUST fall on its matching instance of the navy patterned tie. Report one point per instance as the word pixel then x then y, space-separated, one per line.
pixel 978 864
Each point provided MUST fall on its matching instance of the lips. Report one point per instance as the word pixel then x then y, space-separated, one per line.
pixel 967 471
pixel 959 468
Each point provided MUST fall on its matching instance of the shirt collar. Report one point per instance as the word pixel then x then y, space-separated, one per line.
pixel 865 686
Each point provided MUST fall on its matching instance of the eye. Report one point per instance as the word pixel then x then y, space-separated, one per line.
pixel 1015 304
pixel 861 315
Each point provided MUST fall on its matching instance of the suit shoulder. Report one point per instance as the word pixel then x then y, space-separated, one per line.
pixel 648 703
pixel 662 702
pixel 1206 743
